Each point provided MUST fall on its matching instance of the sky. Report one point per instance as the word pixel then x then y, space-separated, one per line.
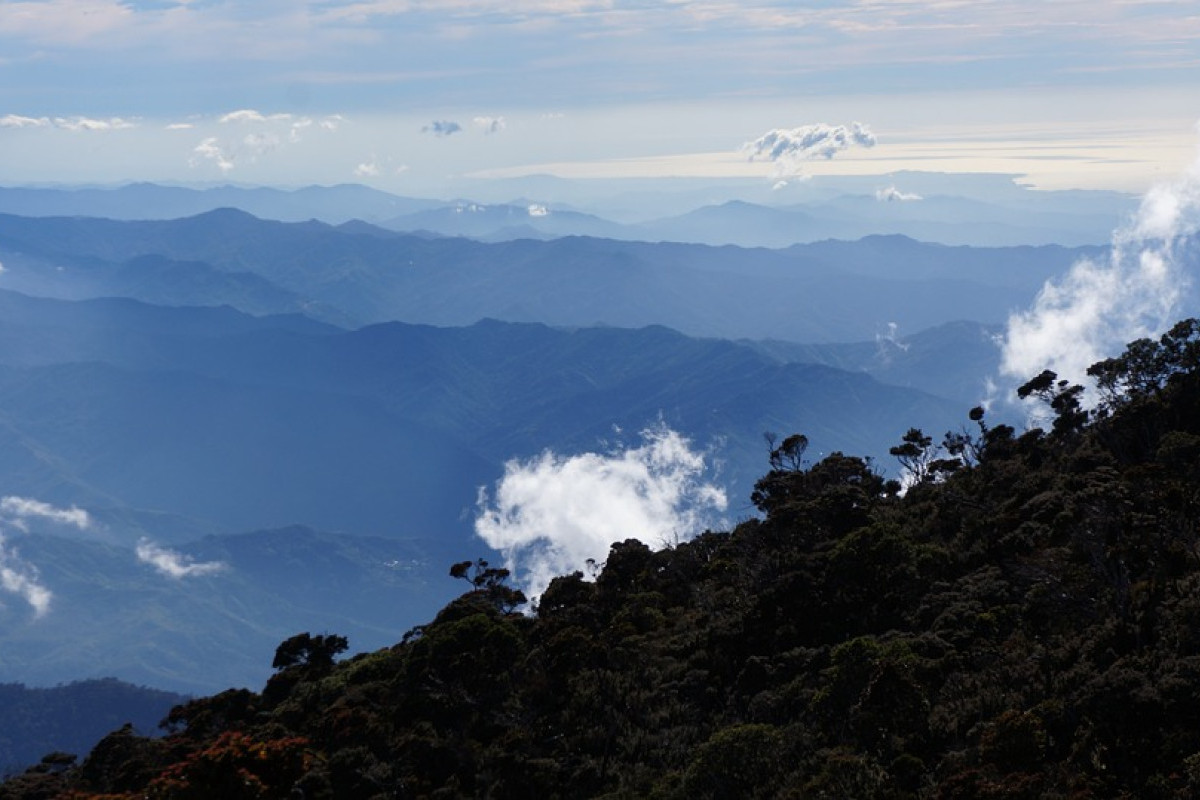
pixel 418 97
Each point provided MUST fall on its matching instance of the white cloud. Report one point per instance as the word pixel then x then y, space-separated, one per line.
pixel 367 169
pixel 891 194
pixel 16 511
pixel 180 126
pixel 538 210
pixel 442 127
pixel 173 564
pixel 1099 306
pixel 490 125
pixel 552 513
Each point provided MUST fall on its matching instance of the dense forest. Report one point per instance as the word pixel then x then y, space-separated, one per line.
pixel 1022 621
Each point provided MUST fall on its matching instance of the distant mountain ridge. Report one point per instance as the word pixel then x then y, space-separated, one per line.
pixel 1016 217
pixel 823 292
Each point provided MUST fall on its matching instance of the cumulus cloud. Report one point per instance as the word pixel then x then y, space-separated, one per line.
pixel 789 148
pixel 490 124
pixel 173 564
pixel 891 194
pixel 442 127
pixel 1101 305
pixel 551 514
pixel 180 126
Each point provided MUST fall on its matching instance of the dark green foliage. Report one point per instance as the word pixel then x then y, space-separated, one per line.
pixel 1025 625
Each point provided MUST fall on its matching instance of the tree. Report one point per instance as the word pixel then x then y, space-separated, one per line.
pixel 915 454
pixel 1063 398
pixel 489 583
pixel 307 650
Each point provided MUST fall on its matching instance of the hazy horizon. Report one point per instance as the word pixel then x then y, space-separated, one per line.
pixel 420 98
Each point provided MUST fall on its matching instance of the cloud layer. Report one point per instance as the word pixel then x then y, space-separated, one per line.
pixel 552 513
pixel 1099 306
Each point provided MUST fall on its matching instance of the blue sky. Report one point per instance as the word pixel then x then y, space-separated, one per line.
pixel 416 97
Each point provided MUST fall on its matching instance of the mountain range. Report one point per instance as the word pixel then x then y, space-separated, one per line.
pixel 822 292
pixel 989 210
pixel 262 447
pixel 190 428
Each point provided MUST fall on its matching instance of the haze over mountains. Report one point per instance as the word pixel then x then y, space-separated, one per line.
pixel 311 407
pixel 974 210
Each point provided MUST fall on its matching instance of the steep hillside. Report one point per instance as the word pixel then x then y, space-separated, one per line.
pixel 1020 623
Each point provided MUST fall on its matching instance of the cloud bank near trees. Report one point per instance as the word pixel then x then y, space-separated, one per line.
pixel 1101 305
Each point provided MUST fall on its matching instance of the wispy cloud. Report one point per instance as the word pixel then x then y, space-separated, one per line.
pixel 173 564
pixel 442 127
pixel 17 511
pixel 251 115
pixel 23 580
pixel 552 513
pixel 89 124
pixel 17 121
pixel 18 576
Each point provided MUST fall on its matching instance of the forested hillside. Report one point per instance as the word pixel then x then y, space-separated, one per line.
pixel 1021 622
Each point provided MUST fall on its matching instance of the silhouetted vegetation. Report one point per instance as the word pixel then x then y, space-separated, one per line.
pixel 1024 625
